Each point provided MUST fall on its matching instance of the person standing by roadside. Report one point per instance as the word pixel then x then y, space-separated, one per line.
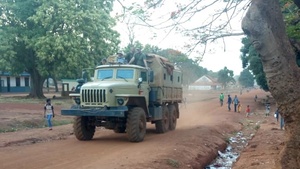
pixel 221 99
pixel 229 101
pixel 49 113
pixel 235 102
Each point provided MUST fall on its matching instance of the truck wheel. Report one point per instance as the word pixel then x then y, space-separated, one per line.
pixel 136 124
pixel 172 116
pixel 83 129
pixel 162 125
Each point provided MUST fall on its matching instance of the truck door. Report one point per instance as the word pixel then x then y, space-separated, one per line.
pixel 145 88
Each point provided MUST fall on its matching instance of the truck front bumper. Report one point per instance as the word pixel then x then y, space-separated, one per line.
pixel 104 112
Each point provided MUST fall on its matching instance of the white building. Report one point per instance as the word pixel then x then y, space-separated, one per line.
pixel 10 83
pixel 205 83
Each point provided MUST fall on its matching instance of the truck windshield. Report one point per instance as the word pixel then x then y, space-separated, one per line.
pixel 105 74
pixel 124 74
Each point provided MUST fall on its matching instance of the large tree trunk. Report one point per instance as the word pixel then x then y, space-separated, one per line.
pixel 55 83
pixel 36 84
pixel 264 25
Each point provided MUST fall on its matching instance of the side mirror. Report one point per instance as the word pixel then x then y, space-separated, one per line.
pixel 140 82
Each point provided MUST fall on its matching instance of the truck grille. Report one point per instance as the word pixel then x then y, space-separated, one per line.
pixel 93 95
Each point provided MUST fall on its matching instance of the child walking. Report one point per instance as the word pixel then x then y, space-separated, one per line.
pixel 247 111
pixel 49 113
pixel 239 107
pixel 267 109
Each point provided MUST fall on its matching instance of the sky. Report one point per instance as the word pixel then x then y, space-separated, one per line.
pixel 218 54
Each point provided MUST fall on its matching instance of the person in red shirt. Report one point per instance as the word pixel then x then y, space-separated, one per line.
pixel 247 111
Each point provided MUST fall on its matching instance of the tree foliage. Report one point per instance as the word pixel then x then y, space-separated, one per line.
pixel 246 78
pixel 251 60
pixel 189 67
pixel 225 76
pixel 55 38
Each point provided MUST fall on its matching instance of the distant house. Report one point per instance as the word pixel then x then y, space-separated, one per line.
pixel 205 83
pixel 11 83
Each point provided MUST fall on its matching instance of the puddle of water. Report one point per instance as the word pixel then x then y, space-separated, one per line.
pixel 226 159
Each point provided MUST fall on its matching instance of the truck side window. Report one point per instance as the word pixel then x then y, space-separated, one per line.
pixel 144 76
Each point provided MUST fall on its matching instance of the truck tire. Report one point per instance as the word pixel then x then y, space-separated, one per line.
pixel 82 129
pixel 136 124
pixel 162 125
pixel 172 117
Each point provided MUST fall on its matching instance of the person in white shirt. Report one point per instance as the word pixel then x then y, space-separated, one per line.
pixel 49 112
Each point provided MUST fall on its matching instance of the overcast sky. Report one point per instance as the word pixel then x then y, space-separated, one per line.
pixel 218 54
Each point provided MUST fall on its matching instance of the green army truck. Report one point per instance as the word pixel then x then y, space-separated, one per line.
pixel 125 97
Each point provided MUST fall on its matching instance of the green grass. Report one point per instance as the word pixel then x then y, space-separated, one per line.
pixel 256 127
pixel 16 125
pixel 19 99
pixel 64 102
pixel 172 162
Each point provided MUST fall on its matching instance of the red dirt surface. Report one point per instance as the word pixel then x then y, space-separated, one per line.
pixel 201 131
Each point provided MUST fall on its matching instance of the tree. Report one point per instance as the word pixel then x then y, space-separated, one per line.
pixel 191 18
pixel 51 38
pixel 225 76
pixel 251 60
pixel 246 78
pixel 190 68
pixel 265 28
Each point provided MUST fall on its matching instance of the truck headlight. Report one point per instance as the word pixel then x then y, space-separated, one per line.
pixel 120 101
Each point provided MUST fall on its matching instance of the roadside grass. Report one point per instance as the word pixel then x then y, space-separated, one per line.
pixel 16 125
pixel 19 99
pixel 172 162
pixel 59 101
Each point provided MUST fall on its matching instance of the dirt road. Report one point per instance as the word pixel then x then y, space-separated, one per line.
pixel 201 131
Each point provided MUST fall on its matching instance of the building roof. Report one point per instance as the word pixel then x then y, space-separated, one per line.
pixel 205 80
pixel 2 73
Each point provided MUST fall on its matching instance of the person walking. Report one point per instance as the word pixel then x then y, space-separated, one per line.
pixel 221 99
pixel 229 101
pixel 239 107
pixel 235 102
pixel 247 111
pixel 49 112
pixel 268 109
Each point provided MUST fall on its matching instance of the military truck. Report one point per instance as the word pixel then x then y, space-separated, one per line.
pixel 124 97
